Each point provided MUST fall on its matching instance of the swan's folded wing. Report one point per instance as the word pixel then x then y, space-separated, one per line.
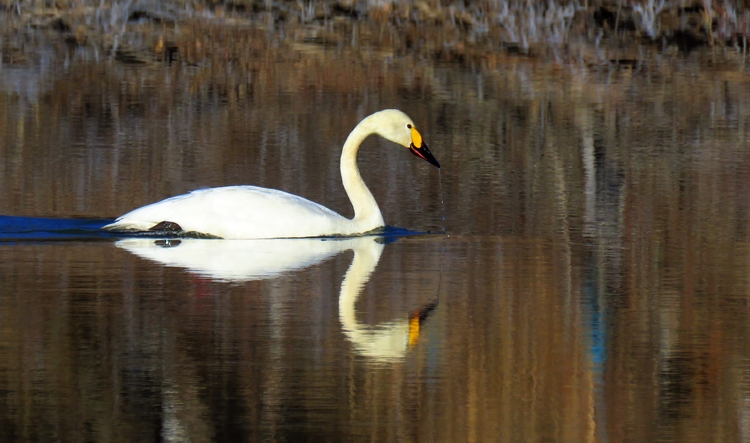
pixel 236 212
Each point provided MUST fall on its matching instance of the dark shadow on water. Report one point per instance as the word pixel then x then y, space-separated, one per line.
pixel 33 229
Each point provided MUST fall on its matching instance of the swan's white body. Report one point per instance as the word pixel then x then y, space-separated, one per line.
pixel 250 212
pixel 246 212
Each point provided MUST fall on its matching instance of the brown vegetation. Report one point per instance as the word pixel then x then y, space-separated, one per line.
pixel 592 31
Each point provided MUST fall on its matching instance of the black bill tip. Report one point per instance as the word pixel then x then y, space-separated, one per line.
pixel 424 153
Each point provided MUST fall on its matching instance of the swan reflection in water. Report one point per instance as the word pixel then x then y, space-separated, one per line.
pixel 245 260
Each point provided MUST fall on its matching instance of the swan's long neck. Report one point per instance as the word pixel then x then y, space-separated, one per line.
pixel 367 214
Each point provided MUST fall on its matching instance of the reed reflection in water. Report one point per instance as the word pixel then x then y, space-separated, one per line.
pixel 320 352
pixel 594 282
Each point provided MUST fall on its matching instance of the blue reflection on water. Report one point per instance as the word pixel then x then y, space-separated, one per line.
pixel 15 229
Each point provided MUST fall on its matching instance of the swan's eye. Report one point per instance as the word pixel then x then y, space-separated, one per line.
pixel 408 125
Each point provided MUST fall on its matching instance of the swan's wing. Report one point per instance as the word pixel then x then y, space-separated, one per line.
pixel 237 212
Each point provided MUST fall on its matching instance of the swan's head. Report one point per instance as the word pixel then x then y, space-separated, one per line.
pixel 397 127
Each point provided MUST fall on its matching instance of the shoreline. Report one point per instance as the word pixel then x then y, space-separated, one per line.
pixel 142 31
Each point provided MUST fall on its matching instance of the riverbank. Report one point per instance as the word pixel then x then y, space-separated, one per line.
pixel 474 33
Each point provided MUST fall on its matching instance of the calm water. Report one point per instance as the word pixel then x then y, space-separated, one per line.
pixel 591 284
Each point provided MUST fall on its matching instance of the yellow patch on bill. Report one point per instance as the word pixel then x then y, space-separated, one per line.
pixel 416 138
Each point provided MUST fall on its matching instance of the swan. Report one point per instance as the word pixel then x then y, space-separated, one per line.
pixel 251 212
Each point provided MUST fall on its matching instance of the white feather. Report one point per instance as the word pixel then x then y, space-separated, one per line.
pixel 236 212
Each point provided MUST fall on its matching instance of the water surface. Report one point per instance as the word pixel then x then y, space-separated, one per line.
pixel 591 284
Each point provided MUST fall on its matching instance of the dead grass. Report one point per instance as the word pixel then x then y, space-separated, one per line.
pixel 592 31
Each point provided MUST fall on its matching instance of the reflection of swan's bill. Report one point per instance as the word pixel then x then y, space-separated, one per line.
pixel 243 260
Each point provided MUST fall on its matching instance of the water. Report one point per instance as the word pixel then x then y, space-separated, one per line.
pixel 593 284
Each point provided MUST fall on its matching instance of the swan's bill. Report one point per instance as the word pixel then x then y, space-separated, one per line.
pixel 424 153
pixel 416 137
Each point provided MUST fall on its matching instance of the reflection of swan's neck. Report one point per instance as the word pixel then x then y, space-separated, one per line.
pixel 387 341
pixel 366 211
pixel 365 259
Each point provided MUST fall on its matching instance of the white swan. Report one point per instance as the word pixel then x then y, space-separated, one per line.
pixel 250 212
